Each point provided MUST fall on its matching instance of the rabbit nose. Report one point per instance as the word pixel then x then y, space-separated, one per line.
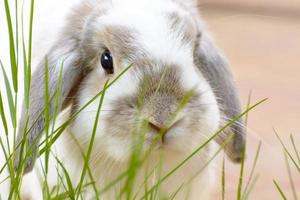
pixel 160 113
pixel 160 127
pixel 154 124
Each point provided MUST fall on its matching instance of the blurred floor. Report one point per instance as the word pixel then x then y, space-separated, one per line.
pixel 262 43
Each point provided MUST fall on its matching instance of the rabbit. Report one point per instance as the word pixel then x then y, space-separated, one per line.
pixel 170 53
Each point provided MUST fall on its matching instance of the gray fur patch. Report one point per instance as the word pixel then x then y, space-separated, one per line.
pixel 182 27
pixel 216 71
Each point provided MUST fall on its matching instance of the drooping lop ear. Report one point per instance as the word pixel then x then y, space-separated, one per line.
pixel 65 56
pixel 216 71
pixel 63 64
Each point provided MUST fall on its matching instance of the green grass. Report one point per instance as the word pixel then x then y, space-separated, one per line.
pixel 288 156
pixel 65 188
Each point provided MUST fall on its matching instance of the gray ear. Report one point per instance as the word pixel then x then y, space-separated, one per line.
pixel 215 69
pixel 65 51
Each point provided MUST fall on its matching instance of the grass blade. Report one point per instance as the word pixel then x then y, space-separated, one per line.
pixel 27 76
pixel 252 170
pixel 10 99
pixel 93 182
pixel 279 190
pixel 91 144
pixel 295 148
pixel 290 176
pixel 287 151
pixel 47 114
pixel 30 38
pixel 2 114
pixel 223 179
pixel 173 196
pixel 12 50
pixel 70 191
pixel 27 58
pixel 251 186
pixel 240 185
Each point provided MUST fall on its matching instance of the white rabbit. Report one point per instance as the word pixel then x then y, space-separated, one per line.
pixel 172 55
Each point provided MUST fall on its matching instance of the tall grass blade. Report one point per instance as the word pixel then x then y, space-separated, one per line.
pixel 91 144
pixel 247 106
pixel 70 190
pixel 27 58
pixel 2 114
pixel 251 186
pixel 280 190
pixel 287 151
pixel 30 39
pixel 12 50
pixel 24 53
pixel 223 179
pixel 290 176
pixel 47 113
pixel 173 196
pixel 252 170
pixel 93 182
pixel 295 148
pixel 241 177
pixel 10 99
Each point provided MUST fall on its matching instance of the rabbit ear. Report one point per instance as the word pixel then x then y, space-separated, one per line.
pixel 65 55
pixel 216 71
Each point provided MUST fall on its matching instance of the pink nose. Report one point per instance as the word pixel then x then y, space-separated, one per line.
pixel 160 127
pixel 156 126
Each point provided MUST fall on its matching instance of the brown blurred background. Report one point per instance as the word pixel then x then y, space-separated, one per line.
pixel 261 39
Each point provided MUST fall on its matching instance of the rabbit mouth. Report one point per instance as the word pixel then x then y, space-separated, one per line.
pixel 160 138
pixel 163 131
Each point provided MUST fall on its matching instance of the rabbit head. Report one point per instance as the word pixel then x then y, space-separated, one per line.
pixel 179 84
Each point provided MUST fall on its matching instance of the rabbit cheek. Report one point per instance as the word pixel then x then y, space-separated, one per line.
pixel 201 120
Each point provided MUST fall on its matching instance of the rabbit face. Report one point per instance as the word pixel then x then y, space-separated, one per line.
pixel 172 97
pixel 163 97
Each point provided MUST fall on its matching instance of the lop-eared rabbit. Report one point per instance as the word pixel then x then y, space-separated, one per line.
pixel 176 93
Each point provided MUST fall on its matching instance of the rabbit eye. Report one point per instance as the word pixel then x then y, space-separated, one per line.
pixel 107 62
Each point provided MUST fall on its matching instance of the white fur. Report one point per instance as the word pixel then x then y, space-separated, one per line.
pixel 111 154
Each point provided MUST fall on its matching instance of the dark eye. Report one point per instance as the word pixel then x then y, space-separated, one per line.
pixel 107 62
